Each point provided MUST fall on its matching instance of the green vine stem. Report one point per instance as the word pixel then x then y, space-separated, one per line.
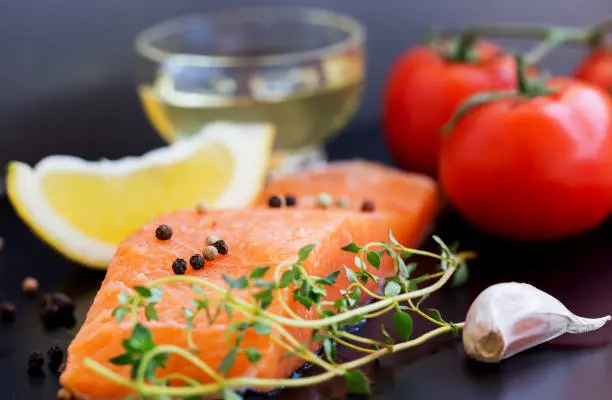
pixel 575 35
pixel 402 296
pixel 237 383
pixel 551 36
pixel 461 48
pixel 473 102
pixel 554 39
pixel 526 88
pixel 466 48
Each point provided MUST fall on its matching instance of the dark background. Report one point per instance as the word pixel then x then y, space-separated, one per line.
pixel 67 86
pixel 66 66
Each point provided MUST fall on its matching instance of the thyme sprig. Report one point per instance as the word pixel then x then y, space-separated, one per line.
pixel 246 301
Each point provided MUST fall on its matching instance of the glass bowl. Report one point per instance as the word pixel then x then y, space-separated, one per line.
pixel 300 69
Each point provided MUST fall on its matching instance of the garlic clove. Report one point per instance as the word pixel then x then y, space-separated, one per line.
pixel 508 318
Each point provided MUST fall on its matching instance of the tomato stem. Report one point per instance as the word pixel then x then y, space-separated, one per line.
pixel 555 38
pixel 530 88
pixel 578 35
pixel 473 102
pixel 592 35
pixel 527 88
pixel 599 32
pixel 522 82
pixel 552 36
pixel 459 48
pixel 466 48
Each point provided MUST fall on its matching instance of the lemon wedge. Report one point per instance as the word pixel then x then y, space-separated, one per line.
pixel 84 209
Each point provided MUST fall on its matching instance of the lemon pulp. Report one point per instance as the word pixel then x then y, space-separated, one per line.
pixel 121 204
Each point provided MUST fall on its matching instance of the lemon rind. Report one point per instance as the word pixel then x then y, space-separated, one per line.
pixel 245 187
pixel 25 193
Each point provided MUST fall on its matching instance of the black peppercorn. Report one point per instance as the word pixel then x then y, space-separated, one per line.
pixel 56 358
pixel 57 309
pixel 49 311
pixel 275 202
pixel 7 312
pixel 63 302
pixel 197 262
pixel 54 367
pixel 367 206
pixel 163 232
pixel 221 247
pixel 35 363
pixel 290 200
pixel 56 355
pixel 179 266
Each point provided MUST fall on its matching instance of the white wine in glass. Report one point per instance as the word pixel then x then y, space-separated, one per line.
pixel 299 69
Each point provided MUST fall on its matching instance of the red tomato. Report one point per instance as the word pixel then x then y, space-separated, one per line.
pixel 422 91
pixel 532 169
pixel 596 68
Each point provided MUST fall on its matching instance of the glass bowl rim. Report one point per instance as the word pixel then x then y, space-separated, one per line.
pixel 355 30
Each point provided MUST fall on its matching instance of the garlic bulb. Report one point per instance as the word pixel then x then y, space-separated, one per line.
pixel 508 318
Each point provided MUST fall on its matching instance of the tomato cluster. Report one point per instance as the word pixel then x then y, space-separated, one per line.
pixel 596 68
pixel 517 154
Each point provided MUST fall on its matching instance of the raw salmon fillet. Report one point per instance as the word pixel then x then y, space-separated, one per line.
pixel 258 236
pixel 392 192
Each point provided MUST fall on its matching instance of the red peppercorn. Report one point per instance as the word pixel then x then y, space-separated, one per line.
pixel 367 206
pixel 201 207
pixel 7 312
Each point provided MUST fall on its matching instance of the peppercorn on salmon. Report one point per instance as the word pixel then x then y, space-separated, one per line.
pixel 257 236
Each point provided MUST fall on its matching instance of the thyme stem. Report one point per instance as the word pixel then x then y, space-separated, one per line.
pixel 417 310
pixel 365 309
pixel 240 382
pixel 381 312
pixel 362 339
pixel 354 347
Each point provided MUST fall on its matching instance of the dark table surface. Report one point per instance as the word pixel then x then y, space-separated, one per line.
pixel 67 83
pixel 578 272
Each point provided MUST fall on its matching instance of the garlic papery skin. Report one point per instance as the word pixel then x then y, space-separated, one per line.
pixel 508 318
